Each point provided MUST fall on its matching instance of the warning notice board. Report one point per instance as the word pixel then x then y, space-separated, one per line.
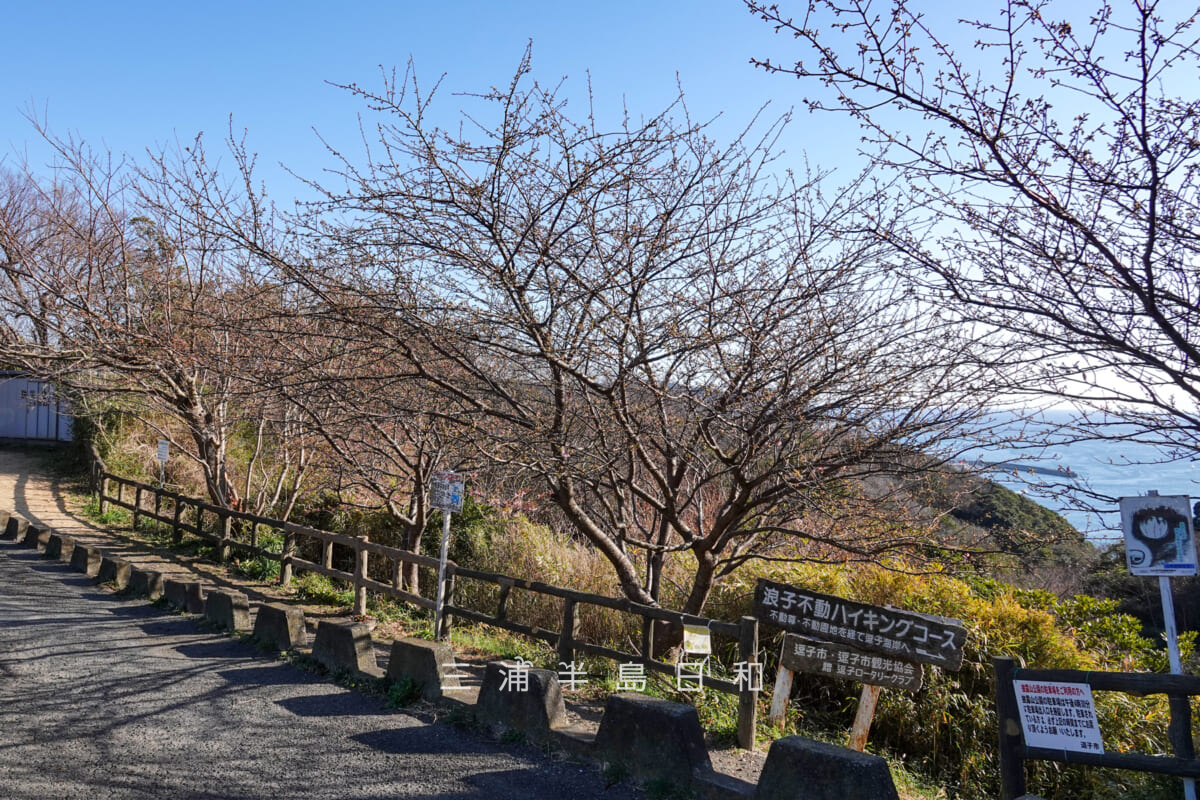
pixel 1059 716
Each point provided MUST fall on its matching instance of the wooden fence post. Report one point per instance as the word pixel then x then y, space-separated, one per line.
pixel 447 600
pixel 226 534
pixel 137 505
pixel 176 531
pixel 327 554
pixel 103 493
pixel 647 638
pixel 568 633
pixel 1179 729
pixel 360 574
pixel 285 560
pixel 747 694
pixel 1012 766
pixel 502 601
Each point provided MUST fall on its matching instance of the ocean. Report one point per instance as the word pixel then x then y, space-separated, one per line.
pixel 1081 479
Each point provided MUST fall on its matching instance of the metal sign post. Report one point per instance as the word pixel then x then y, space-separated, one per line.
pixel 1160 540
pixel 446 494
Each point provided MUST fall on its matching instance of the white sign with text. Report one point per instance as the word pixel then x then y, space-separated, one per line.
pixel 1058 716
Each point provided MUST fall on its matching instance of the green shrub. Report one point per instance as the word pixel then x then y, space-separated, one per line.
pixel 947 730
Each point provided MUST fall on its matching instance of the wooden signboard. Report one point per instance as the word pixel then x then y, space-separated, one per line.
pixel 801 654
pixel 899 635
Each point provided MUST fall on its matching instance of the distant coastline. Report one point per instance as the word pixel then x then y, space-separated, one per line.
pixel 1101 470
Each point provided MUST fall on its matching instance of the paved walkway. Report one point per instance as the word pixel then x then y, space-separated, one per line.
pixel 27 490
pixel 103 697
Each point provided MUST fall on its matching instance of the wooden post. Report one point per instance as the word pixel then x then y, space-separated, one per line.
pixel 176 531
pixel 502 603
pixel 360 574
pixel 568 633
pixel 779 698
pixel 443 633
pixel 103 494
pixel 285 560
pixel 1012 766
pixel 327 554
pixel 647 638
pixel 865 716
pixel 226 531
pixel 137 505
pixel 747 694
pixel 1179 729
pixel 397 573
pixel 157 507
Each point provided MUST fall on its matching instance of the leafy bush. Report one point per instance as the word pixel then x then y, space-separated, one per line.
pixel 947 730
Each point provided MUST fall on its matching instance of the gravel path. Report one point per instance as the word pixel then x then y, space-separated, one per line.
pixel 27 490
pixel 102 697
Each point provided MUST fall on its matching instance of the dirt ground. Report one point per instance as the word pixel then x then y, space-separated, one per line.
pixel 29 487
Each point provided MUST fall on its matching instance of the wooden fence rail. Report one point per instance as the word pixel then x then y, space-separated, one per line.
pixel 237 531
pixel 1014 752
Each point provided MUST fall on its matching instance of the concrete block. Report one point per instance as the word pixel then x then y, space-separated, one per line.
pixel 60 547
pixel 146 582
pixel 517 696
pixel 344 646
pixel 14 528
pixel 227 609
pixel 4 517
pixel 803 769
pixel 430 665
pixel 653 738
pixel 280 627
pixel 35 536
pixel 196 598
pixel 185 595
pixel 114 570
pixel 86 559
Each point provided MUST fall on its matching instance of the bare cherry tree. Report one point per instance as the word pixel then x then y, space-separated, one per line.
pixel 698 359
pixel 1049 154
pixel 116 289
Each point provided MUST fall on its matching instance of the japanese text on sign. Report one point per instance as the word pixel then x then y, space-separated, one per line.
pixel 446 492
pixel 838 661
pixel 1059 716
pixel 892 632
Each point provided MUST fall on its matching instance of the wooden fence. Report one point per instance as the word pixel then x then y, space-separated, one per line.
pixel 1014 752
pixel 236 531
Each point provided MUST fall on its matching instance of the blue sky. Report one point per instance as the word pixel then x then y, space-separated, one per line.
pixel 136 75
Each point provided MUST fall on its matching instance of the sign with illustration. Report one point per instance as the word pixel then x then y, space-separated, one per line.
pixel 1159 539
pixel 801 654
pixel 900 635
pixel 1058 716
